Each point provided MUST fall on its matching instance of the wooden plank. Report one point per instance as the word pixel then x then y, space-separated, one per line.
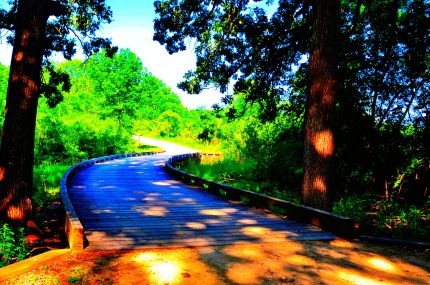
pixel 117 202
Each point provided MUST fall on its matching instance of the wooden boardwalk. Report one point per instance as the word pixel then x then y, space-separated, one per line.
pixel 134 203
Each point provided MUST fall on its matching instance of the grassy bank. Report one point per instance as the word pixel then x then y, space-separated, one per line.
pixel 374 215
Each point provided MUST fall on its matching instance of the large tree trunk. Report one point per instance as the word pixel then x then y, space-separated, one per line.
pixel 17 145
pixel 319 140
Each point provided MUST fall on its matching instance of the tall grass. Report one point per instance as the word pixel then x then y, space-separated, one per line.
pixel 46 182
pixel 237 173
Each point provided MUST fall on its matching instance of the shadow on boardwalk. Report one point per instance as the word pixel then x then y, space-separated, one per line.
pixel 134 203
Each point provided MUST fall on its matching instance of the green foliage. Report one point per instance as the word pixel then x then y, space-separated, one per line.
pixel 12 245
pixel 4 76
pixel 357 208
pixel 169 124
pixel 46 182
pixel 386 217
pixel 259 156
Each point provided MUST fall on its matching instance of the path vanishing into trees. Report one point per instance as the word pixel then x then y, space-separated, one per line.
pixel 134 203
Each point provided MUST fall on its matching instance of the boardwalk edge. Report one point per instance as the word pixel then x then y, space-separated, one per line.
pixel 341 226
pixel 73 226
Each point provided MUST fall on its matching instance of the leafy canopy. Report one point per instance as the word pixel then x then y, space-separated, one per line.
pixel 72 26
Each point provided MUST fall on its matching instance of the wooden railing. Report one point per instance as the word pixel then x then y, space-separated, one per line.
pixel 73 227
pixel 342 226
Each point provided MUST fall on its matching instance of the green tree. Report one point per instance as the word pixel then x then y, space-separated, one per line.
pixel 121 93
pixel 38 28
pixel 169 124
pixel 378 69
pixel 238 41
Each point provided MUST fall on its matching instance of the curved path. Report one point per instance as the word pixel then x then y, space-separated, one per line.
pixel 134 203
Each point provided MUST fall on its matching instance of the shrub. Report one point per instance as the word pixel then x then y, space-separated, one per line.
pixel 12 245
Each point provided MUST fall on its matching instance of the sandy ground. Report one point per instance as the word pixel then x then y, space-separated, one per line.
pixel 309 262
pixel 305 262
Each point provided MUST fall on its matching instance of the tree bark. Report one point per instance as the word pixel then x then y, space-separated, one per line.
pixel 17 145
pixel 319 140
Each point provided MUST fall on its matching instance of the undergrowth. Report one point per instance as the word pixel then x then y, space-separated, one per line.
pixel 239 174
pixel 12 245
pixel 373 215
pixel 386 217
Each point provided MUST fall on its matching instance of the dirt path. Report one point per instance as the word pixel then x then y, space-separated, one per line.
pixel 335 262
pixel 170 148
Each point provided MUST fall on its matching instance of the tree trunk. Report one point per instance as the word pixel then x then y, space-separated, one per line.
pixel 17 145
pixel 319 140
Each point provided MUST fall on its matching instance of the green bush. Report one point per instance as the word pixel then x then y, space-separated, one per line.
pixel 386 217
pixel 12 245
pixel 46 182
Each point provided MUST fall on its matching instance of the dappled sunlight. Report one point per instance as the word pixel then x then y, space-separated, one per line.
pixel 19 56
pixel 353 278
pixel 187 200
pixel 218 212
pixel 79 186
pixel 260 263
pixel 145 256
pixel 299 260
pixel 156 211
pixel 165 272
pixel 149 199
pixel 102 211
pixel 196 226
pixel 161 271
pixel 213 212
pixel 162 183
pixel 200 241
pixel 242 273
pixel 315 263
pixel 2 171
pixel 342 243
pixel 247 221
pixel 251 251
pixel 170 266
pixel 382 264
pixel 213 221
pixel 323 142
pixel 255 231
pixel 319 184
pixel 108 187
pixel 101 235
pixel 355 266
pixel 229 210
pixel 265 234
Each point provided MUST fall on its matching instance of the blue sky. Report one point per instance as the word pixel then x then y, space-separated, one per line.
pixel 132 28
